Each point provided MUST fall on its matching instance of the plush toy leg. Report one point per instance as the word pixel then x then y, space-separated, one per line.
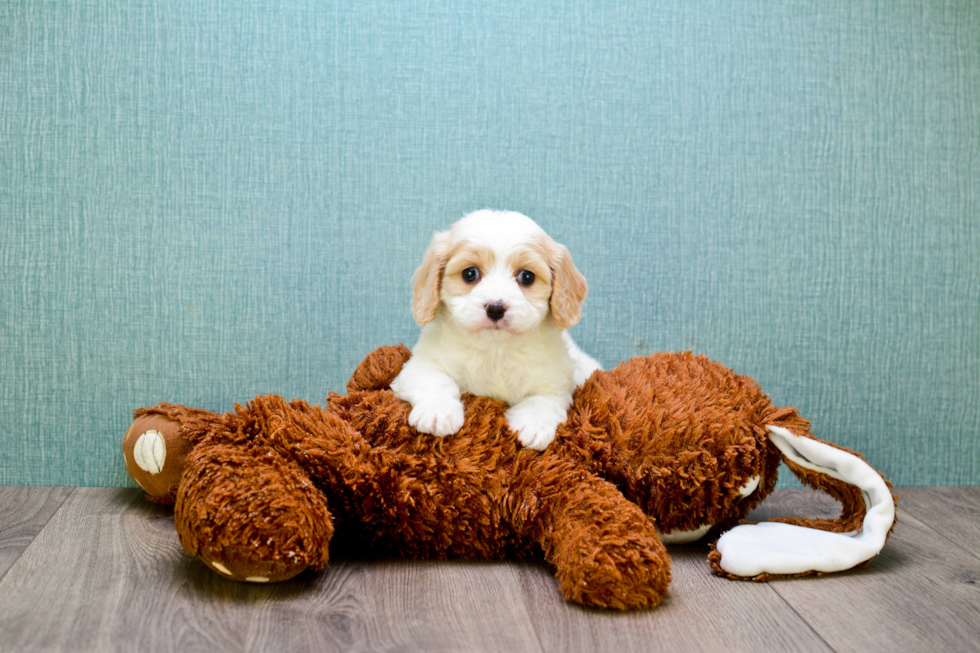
pixel 251 514
pixel 606 550
pixel 760 551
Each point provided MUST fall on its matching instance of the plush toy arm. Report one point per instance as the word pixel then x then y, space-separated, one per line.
pixel 606 550
pixel 157 443
pixel 761 551
pixel 379 368
pixel 245 500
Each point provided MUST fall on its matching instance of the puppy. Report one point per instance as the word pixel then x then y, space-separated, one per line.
pixel 493 295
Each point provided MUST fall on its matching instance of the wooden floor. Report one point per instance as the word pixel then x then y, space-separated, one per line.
pixel 87 569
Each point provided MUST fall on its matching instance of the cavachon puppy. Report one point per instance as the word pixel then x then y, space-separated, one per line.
pixel 494 295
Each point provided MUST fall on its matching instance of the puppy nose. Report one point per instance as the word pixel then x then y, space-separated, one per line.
pixel 496 310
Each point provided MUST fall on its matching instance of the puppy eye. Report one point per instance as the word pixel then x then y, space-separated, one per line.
pixel 470 275
pixel 525 277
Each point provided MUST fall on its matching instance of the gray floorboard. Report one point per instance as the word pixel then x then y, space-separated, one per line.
pixel 921 594
pixel 101 569
pixel 951 512
pixel 400 605
pixel 108 573
pixel 23 513
pixel 702 612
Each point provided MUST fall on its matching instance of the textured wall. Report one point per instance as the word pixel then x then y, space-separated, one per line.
pixel 203 201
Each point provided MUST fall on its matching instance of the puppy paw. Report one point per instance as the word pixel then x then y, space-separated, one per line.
pixel 438 417
pixel 535 421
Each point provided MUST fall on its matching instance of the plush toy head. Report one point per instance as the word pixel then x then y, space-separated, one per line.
pixel 670 446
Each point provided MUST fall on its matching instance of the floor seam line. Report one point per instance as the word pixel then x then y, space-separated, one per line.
pixel 3 576
pixel 803 619
pixel 934 530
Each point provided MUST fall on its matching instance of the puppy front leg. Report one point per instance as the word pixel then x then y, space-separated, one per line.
pixel 436 408
pixel 536 418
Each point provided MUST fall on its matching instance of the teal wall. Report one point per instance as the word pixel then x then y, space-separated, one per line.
pixel 202 201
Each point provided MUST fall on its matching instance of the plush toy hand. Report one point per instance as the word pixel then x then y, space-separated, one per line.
pixel 155 452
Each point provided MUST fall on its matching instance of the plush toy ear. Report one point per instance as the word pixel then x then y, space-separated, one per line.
pixel 428 280
pixel 568 287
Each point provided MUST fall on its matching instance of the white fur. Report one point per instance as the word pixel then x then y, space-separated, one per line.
pixel 523 359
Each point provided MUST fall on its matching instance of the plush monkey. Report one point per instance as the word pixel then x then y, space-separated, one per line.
pixel 663 448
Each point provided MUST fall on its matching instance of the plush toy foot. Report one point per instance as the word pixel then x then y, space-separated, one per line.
pixel 251 514
pixel 609 567
pixel 609 562
pixel 606 551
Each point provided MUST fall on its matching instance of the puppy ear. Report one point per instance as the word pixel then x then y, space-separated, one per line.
pixel 568 287
pixel 427 280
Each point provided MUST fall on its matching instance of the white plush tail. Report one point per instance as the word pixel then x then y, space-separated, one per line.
pixel 772 548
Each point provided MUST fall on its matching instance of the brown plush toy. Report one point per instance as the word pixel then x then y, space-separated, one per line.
pixel 669 447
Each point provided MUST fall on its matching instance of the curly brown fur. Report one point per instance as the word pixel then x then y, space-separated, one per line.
pixel 666 441
pixel 681 460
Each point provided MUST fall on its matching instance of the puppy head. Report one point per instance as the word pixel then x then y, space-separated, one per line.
pixel 498 270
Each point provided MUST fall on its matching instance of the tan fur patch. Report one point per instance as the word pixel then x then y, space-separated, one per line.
pixel 463 255
pixel 427 281
pixel 568 290
pixel 533 258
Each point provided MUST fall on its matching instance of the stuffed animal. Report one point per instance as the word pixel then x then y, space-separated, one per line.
pixel 663 448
